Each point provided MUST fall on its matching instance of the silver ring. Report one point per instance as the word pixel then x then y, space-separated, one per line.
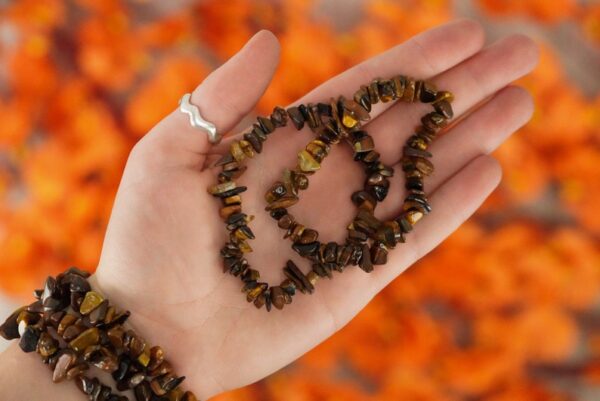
pixel 196 119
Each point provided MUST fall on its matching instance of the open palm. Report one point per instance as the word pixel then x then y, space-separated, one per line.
pixel 161 253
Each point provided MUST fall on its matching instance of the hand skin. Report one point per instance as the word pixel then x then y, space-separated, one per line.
pixel 160 257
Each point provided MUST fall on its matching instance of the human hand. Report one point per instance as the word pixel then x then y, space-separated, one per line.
pixel 161 253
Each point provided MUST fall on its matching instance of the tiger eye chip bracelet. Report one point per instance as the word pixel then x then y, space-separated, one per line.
pixel 369 239
pixel 74 328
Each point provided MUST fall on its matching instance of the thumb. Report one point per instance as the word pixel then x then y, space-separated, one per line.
pixel 223 98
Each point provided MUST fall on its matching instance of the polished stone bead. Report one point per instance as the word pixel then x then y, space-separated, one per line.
pixel 412 152
pixel 123 368
pixel 413 216
pixel 386 90
pixel 91 301
pixel 66 321
pixel 143 392
pixel 89 337
pixel 162 369
pixel 417 142
pixel 424 165
pixel 405 225
pixel 255 141
pixel 365 262
pixel 76 371
pixel 279 117
pixel 86 384
pixel 29 339
pixel 277 190
pixel 98 314
pixel 428 93
pixel 293 273
pixel 413 183
pixel 277 297
pixel 364 200
pixel 306 249
pixel 77 283
pixel 227 211
pixel 247 148
pixel 364 144
pixel 418 86
pixel 232 200
pixel 64 362
pixel 444 108
pixel 362 97
pixel 47 345
pixel 296 117
pixel 373 90
pixel 306 162
pixel 237 152
pixel 317 150
pixel 162 385
pixel 10 328
pixel 379 254
pixel 308 235
pixel 399 82
pixel 344 254
pixel 322 270
pixel 433 121
pixel 283 203
pixel 380 191
pixel 266 124
pixel 254 289
pixel 444 95
pixel 409 90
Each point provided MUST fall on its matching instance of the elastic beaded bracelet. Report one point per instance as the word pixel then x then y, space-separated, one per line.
pixel 74 328
pixel 368 239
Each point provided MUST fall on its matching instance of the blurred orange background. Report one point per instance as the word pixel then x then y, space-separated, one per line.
pixel 506 309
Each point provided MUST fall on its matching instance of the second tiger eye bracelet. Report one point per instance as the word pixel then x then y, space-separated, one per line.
pixel 368 239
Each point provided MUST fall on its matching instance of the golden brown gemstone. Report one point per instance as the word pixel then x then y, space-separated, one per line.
pixel 364 144
pixel 283 203
pixel 72 332
pixel 409 90
pixel 110 314
pixel 308 235
pixel 414 173
pixel 413 216
pixel 379 254
pixel 444 95
pixel 373 91
pixel 162 369
pixel 175 395
pixel 307 162
pixel 348 119
pixel 444 108
pixel 63 364
pixel 417 94
pixel 47 345
pixel 428 93
pixel 237 152
pixel 399 82
pixel 286 221
pixel 76 371
pixel 233 200
pixel 244 246
pixel 89 337
pixel 115 335
pixel 247 148
pixel 277 297
pixel 317 151
pixel 276 191
pixel 296 232
pixel 91 301
pixel 157 356
pixel 65 322
pixel 256 291
pixel 300 181
pixel 312 277
pixel 220 188
pixel 227 211
pixel 144 358
pixel 424 165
